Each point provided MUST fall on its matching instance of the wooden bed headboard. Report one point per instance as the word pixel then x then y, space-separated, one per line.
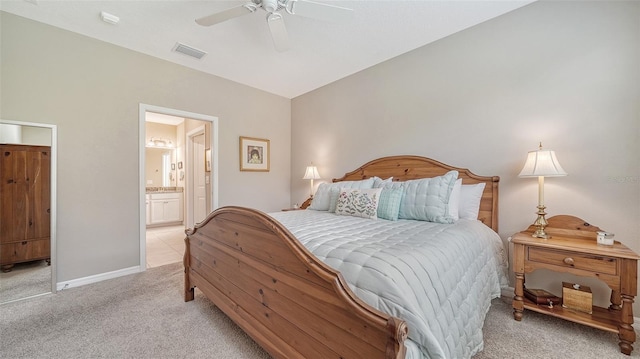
pixel 403 168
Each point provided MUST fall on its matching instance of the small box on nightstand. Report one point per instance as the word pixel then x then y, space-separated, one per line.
pixel 577 297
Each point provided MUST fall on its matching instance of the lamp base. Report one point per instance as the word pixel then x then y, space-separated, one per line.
pixel 540 224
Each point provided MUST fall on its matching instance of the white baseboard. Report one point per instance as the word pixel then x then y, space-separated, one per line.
pixel 507 292
pixel 97 278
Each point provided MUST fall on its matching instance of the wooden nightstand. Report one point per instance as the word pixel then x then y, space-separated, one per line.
pixel 572 248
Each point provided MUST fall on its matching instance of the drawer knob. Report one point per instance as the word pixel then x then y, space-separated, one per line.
pixel 568 261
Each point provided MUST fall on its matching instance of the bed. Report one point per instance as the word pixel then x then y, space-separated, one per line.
pixel 316 284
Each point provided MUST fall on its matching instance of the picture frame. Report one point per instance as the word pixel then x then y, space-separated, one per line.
pixel 180 165
pixel 254 154
pixel 207 160
pixel 173 166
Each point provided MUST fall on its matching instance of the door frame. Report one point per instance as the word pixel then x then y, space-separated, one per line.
pixel 213 138
pixel 53 194
pixel 189 187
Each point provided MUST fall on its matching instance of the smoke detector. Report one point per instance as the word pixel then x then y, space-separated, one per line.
pixel 109 18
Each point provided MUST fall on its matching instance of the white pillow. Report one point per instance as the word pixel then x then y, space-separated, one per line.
pixel 358 202
pixel 470 196
pixel 427 199
pixel 454 200
pixel 322 198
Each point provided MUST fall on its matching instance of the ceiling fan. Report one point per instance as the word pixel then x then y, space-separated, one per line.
pixel 274 17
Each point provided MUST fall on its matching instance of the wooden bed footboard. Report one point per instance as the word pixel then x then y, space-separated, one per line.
pixel 287 300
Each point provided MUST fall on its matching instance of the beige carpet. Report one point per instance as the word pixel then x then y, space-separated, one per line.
pixel 144 316
pixel 25 280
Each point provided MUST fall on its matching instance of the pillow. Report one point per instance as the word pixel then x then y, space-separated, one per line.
pixel 389 203
pixel 454 199
pixel 427 199
pixel 322 197
pixel 470 196
pixel 380 183
pixel 358 202
pixel 334 192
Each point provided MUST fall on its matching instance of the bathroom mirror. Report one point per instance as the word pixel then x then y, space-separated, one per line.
pixel 160 167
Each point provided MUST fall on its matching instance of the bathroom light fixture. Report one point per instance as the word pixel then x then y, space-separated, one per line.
pixel 311 173
pixel 541 164
pixel 159 143
pixel 109 18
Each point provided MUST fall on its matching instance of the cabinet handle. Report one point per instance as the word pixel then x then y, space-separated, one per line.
pixel 568 261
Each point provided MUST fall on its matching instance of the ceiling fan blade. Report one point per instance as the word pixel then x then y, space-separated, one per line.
pixel 226 15
pixel 278 32
pixel 319 11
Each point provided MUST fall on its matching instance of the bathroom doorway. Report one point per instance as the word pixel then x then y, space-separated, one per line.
pixel 163 218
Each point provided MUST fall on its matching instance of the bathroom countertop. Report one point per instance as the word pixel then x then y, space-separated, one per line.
pixel 164 190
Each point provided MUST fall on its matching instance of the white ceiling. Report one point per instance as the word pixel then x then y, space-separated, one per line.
pixel 241 49
pixel 163 119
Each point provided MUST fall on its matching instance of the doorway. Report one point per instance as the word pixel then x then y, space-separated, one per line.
pixel 184 164
pixel 33 279
pixel 198 177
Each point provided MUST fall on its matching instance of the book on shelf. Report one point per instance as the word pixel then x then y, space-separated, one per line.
pixel 541 297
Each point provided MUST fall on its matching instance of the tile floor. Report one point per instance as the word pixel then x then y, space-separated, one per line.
pixel 165 245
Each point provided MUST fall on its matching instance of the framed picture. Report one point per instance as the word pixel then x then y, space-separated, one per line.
pixel 173 166
pixel 207 160
pixel 254 154
pixel 180 165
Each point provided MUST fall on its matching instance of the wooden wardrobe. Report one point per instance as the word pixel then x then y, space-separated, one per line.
pixel 25 199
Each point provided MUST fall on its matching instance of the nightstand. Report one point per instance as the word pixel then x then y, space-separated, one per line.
pixel 572 248
pixel 304 205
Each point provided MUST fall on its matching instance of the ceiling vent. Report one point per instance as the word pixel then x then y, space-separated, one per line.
pixel 189 51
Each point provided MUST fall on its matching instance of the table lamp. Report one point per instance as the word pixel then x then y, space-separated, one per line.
pixel 311 173
pixel 541 164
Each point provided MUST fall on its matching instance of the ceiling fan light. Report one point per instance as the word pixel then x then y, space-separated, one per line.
pixel 270 5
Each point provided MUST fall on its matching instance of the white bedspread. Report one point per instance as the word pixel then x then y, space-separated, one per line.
pixel 439 278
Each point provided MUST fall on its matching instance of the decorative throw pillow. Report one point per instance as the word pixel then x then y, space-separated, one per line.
pixel 389 203
pixel 470 196
pixel 380 183
pixel 322 198
pixel 358 202
pixel 427 199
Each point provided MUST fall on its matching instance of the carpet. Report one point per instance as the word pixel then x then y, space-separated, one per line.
pixel 144 316
pixel 25 280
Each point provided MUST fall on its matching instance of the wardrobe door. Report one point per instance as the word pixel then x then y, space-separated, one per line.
pixel 13 191
pixel 39 182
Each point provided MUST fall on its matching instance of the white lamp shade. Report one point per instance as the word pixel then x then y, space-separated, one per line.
pixel 542 163
pixel 311 173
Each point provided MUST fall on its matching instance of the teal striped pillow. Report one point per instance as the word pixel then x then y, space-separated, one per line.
pixel 389 203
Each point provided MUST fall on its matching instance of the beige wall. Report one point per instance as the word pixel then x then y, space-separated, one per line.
pixel 564 73
pixel 92 90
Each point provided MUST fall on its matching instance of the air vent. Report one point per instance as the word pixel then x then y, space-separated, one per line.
pixel 189 51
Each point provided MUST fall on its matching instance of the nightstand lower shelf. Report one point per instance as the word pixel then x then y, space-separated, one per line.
pixel 601 318
pixel 572 248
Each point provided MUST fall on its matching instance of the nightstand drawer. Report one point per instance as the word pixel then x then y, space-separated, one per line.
pixel 592 263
